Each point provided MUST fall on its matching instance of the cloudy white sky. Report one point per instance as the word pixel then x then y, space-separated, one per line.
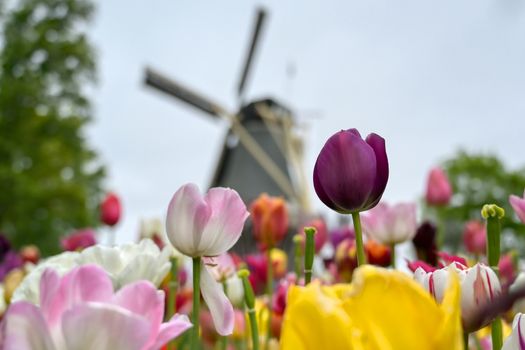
pixel 430 77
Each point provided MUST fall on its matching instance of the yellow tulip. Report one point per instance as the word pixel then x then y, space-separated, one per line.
pixel 381 310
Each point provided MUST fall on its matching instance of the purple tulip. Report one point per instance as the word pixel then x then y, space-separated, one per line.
pixel 350 174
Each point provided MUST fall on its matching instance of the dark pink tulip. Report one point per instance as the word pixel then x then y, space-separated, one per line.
pixel 79 240
pixel 439 190
pixel 339 234
pixel 321 234
pixel 350 173
pixel 475 237
pixel 110 210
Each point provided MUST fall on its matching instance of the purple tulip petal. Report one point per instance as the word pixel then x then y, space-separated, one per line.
pixel 226 222
pixel 142 298
pixel 220 307
pixel 84 284
pixel 345 170
pixel 170 330
pixel 96 326
pixel 24 328
pixel 518 204
pixel 188 214
pixel 378 145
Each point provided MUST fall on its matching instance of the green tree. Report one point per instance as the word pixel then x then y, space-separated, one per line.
pixel 49 177
pixel 479 179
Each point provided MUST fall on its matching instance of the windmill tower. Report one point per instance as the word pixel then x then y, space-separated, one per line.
pixel 261 152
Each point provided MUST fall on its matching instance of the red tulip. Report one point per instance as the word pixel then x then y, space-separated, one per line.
pixel 270 220
pixel 321 234
pixel 110 210
pixel 30 253
pixel 79 240
pixel 439 190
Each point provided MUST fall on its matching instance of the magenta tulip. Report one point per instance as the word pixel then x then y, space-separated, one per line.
pixel 79 240
pixel 439 190
pixel 350 173
pixel 475 237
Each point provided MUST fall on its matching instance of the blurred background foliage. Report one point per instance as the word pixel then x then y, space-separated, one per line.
pixel 479 179
pixel 50 180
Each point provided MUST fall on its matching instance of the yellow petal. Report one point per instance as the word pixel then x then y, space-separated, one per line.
pixel 382 309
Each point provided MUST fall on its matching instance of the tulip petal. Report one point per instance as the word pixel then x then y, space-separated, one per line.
pixel 83 284
pixel 94 326
pixel 345 172
pixel 188 214
pixel 142 298
pixel 226 222
pixel 24 328
pixel 140 269
pixel 170 330
pixel 518 204
pixel 220 307
pixel 378 145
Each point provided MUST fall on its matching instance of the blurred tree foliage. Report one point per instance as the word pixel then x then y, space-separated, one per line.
pixel 49 177
pixel 479 179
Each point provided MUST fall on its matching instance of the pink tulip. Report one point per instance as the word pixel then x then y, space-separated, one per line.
pixel 110 210
pixel 439 190
pixel 391 224
pixel 207 226
pixel 79 240
pixel 518 204
pixel 81 311
pixel 475 237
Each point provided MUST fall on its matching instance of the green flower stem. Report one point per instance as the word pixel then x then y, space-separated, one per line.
pixel 249 299
pixel 497 334
pixel 269 292
pixel 465 341
pixel 298 241
pixel 393 255
pixel 196 303
pixel 224 339
pixel 172 293
pixel 309 254
pixel 361 258
pixel 493 214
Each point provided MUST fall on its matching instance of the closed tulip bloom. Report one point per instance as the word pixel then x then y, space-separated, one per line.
pixel 207 226
pixel 439 190
pixel 516 340
pixel 110 210
pixel 79 240
pixel 479 286
pixel 350 173
pixel 270 220
pixel 518 204
pixel 391 224
pixel 475 237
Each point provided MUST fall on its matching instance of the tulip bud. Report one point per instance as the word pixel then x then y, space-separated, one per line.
pixel 270 220
pixel 350 174
pixel 79 240
pixel 474 237
pixel 110 210
pixel 479 286
pixel 439 191
pixel 518 204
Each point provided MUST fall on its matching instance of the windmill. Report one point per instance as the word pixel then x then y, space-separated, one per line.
pixel 262 151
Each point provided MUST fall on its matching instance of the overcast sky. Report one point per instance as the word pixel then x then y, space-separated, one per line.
pixel 430 77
